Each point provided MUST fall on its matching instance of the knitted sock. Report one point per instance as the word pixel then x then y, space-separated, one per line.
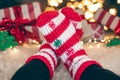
pixel 60 33
pixel 95 72
pixel 48 56
pixel 34 70
pixel 75 19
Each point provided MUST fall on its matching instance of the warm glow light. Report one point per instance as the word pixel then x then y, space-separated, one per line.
pixel 99 5
pixel 88 15
pixel 49 8
pixel 91 46
pixel 80 6
pixel 118 1
pixel 72 0
pixel 106 28
pixel 60 1
pixel 90 41
pixel 102 40
pixel 53 3
pixel 72 6
pixel 94 1
pixel 69 4
pixel 93 7
pixel 76 4
pixel 92 20
pixel 20 41
pixel 14 49
pixel 98 45
pixel 86 2
pixel 113 11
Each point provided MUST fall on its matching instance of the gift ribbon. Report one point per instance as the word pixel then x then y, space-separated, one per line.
pixel 16 26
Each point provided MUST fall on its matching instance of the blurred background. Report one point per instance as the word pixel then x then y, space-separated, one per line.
pixel 88 6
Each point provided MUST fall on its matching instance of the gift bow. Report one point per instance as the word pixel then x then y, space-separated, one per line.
pixel 16 26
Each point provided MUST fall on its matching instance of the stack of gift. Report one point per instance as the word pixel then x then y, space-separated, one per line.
pixel 105 18
pixel 20 22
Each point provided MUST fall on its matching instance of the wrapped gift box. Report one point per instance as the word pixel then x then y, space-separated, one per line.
pixel 105 18
pixel 97 30
pixel 27 11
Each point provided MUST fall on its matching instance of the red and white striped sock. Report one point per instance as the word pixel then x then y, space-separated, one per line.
pixel 75 19
pixel 48 56
pixel 59 31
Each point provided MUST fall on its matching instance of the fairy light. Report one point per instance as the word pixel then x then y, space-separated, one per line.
pixel 72 0
pixel 49 9
pixel 118 1
pixel 90 40
pixel 86 2
pixel 93 7
pixel 88 15
pixel 113 11
pixel 76 4
pixel 14 49
pixel 99 5
pixel 36 42
pixel 98 45
pixel 105 28
pixel 80 6
pixel 53 3
pixel 95 40
pixel 91 46
pixel 20 41
pixel 94 1
pixel 60 1
pixel 92 20
pixel 11 47
pixel 69 4
pixel 102 40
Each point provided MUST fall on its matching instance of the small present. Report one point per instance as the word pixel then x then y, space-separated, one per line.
pixel 23 19
pixel 105 18
pixel 97 30
pixel 87 33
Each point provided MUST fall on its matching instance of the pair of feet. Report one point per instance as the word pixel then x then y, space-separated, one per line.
pixel 62 32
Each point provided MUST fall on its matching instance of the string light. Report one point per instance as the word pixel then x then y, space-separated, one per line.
pixel 76 4
pixel 113 11
pixel 60 1
pixel 80 6
pixel 53 3
pixel 118 1
pixel 49 8
pixel 105 28
pixel 88 15
pixel 69 4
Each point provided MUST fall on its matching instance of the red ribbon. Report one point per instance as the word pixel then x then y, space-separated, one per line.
pixel 16 26
pixel 117 29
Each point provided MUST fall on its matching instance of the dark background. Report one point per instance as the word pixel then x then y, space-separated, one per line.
pixel 8 3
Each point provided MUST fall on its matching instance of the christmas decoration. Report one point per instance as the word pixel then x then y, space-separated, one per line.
pixel 21 20
pixel 16 27
pixel 113 42
pixel 6 40
pixel 105 18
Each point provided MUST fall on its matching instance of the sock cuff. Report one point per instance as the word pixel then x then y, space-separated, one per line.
pixel 80 65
